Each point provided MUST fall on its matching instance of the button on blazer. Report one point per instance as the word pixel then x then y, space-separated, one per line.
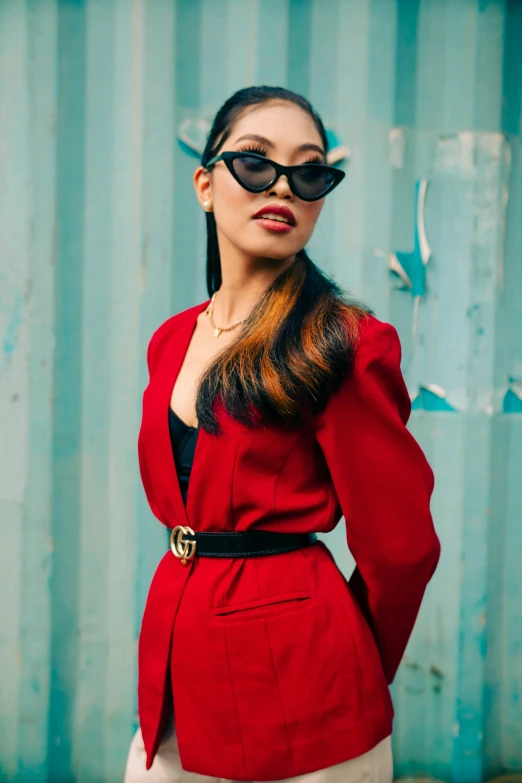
pixel 277 665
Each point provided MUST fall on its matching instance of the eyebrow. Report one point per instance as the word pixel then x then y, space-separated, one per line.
pixel 263 140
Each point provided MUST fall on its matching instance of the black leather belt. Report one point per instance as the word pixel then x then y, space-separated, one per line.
pixel 186 544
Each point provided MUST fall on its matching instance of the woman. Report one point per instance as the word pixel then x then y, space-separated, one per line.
pixel 257 659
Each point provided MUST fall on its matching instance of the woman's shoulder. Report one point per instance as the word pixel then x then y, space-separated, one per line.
pixel 167 329
pixel 375 379
pixel 178 319
pixel 376 336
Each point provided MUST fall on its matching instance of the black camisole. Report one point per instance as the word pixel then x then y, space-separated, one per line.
pixel 183 440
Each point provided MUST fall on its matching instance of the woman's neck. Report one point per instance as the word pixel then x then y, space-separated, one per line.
pixel 240 289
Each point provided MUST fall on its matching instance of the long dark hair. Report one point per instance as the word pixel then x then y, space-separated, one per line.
pixel 300 337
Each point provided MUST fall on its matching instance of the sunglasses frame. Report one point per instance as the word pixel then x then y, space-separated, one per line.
pixel 229 156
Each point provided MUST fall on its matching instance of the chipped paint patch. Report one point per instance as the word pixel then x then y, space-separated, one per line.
pixel 512 402
pixel 397 148
pixel 432 397
pixel 456 154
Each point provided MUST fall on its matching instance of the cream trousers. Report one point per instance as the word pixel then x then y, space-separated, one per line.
pixel 375 766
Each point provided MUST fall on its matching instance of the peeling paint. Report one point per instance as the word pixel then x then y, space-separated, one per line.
pixel 431 397
pixel 456 154
pixel 192 135
pixel 394 265
pixel 512 402
pixel 411 267
pixel 397 147
pixel 337 151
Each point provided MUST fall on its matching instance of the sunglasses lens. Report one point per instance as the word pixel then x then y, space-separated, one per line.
pixel 309 181
pixel 255 173
pixel 312 180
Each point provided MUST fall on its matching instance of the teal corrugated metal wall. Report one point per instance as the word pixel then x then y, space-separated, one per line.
pixel 97 228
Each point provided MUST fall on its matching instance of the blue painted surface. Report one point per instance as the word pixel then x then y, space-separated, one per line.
pixel 411 267
pixel 513 399
pixel 429 400
pixel 102 239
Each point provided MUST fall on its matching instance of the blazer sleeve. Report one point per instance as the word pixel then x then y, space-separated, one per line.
pixel 384 485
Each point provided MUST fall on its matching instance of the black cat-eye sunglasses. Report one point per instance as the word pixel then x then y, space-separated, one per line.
pixel 309 181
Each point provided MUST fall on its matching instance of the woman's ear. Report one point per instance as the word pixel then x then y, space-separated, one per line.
pixel 202 185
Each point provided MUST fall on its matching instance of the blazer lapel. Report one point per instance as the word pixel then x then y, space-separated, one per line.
pixel 169 497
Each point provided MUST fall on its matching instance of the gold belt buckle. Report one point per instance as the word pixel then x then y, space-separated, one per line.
pixel 183 548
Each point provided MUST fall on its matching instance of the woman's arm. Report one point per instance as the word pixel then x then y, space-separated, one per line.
pixel 384 484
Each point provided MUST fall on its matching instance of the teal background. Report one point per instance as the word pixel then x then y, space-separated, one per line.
pixel 101 239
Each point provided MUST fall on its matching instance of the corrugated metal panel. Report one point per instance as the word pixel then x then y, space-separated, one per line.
pixel 97 228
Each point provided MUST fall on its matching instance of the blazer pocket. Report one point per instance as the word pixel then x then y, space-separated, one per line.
pixel 268 606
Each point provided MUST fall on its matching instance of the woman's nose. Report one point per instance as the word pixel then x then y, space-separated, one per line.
pixel 281 187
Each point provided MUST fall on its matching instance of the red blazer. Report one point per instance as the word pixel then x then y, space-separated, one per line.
pixel 278 665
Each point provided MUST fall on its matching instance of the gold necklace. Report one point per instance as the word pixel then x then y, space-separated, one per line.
pixel 219 329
